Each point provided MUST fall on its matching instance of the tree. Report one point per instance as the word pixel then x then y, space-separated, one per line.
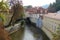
pixel 27 7
pixel 54 7
pixel 57 5
pixel 18 12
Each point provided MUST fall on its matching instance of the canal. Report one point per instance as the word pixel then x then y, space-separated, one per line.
pixel 29 32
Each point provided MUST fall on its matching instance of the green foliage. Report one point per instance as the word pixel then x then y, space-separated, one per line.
pixel 57 6
pixel 3 10
pixel 54 7
pixel 29 6
pixel 3 17
pixel 56 37
pixel 22 22
pixel 3 5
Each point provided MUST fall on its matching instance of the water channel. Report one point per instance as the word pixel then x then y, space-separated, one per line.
pixel 29 33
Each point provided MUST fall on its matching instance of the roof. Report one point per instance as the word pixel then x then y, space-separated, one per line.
pixel 53 15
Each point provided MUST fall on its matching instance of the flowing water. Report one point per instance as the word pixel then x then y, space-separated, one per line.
pixel 29 33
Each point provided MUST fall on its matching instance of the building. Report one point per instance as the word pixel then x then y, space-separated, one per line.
pixel 36 11
pixel 42 10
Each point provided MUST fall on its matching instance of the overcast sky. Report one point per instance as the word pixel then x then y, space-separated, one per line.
pixel 37 2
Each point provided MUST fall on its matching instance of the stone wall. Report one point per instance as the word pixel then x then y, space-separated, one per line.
pixel 51 25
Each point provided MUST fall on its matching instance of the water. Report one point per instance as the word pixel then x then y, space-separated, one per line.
pixel 29 33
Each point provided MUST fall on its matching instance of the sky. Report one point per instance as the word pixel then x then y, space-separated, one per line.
pixel 37 2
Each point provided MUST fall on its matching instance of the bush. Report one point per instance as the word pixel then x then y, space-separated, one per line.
pixel 56 37
pixel 3 17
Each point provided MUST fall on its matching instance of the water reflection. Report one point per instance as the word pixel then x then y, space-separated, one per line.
pixel 36 33
pixel 27 33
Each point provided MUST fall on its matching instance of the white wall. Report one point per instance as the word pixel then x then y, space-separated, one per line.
pixel 27 14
